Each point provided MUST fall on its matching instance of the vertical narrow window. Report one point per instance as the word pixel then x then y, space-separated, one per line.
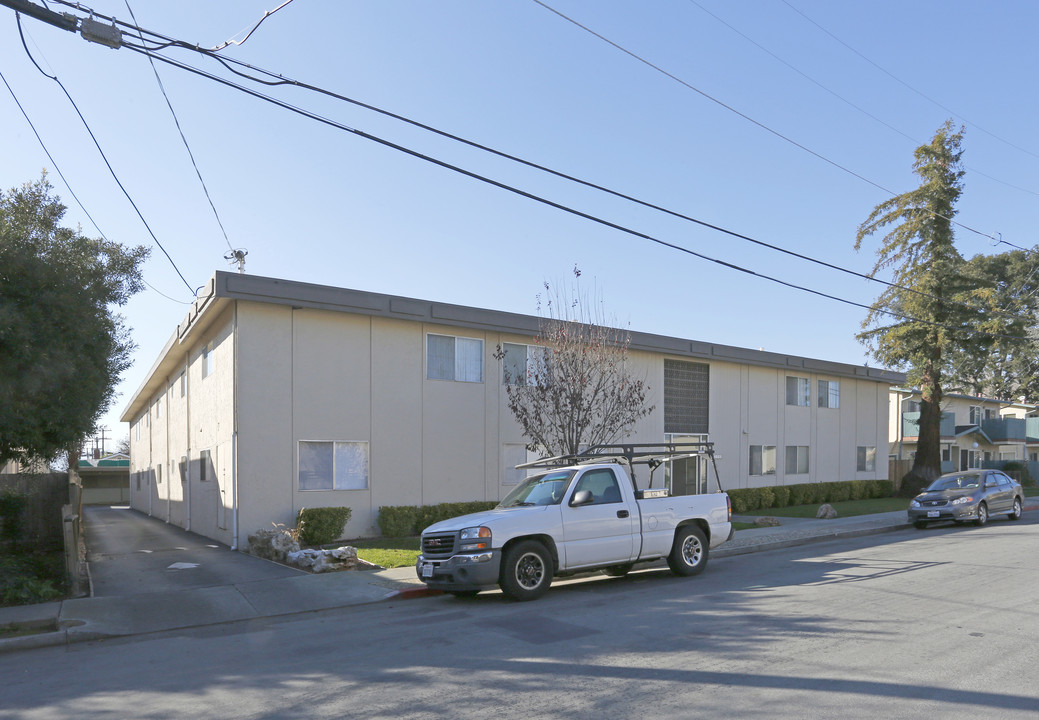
pixel 158 407
pixel 205 472
pixel 207 360
pixel 829 394
pixel 798 391
pixel 866 460
pixel 183 384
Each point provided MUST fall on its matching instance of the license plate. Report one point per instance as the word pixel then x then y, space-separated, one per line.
pixel 933 513
pixel 427 570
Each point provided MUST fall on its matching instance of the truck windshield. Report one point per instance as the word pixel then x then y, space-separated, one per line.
pixel 544 489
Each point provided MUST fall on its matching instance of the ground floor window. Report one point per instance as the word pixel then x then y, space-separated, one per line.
pixel 762 459
pixel 796 459
pixel 867 458
pixel 333 465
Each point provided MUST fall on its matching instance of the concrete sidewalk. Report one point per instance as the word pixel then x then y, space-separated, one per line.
pixel 99 617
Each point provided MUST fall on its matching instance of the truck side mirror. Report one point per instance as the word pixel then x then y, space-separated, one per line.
pixel 582 497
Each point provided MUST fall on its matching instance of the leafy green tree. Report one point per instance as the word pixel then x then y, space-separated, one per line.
pixel 62 347
pixel 572 388
pixel 1008 285
pixel 921 320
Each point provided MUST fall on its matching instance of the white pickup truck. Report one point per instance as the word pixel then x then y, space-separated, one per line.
pixel 585 515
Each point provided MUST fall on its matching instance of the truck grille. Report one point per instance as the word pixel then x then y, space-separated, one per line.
pixel 437 546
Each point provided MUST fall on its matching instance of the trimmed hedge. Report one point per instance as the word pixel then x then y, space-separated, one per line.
pixel 745 500
pixel 321 525
pixel 409 520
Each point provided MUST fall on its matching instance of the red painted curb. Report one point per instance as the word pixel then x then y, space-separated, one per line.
pixel 410 593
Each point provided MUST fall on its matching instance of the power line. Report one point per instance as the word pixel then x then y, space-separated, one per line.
pixel 68 186
pixel 249 34
pixel 277 80
pixel 512 189
pixel 90 132
pixel 51 157
pixel 750 119
pixel 907 85
pixel 846 101
pixel 537 198
pixel 187 147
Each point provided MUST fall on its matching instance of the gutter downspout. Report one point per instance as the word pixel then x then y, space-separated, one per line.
pixel 187 451
pixel 234 434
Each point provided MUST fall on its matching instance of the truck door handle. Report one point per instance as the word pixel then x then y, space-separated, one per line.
pixel 622 513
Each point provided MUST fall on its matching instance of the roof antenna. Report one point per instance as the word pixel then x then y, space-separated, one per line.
pixel 237 256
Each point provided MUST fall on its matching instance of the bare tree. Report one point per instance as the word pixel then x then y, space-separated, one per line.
pixel 572 388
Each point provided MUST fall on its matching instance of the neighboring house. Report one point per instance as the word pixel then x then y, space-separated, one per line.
pixel 975 431
pixel 275 395
pixel 106 480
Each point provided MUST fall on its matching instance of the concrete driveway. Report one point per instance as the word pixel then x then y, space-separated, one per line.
pixel 131 554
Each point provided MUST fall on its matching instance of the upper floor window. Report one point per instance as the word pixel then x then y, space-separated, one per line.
pixel 976 415
pixel 523 364
pixel 454 358
pixel 829 394
pixel 207 360
pixel 687 397
pixel 798 391
pixel 158 407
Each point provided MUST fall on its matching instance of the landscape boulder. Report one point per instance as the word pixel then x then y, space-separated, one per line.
pixel 767 522
pixel 826 512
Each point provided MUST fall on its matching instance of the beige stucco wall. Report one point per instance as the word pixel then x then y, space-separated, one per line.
pixel 305 374
pixel 203 419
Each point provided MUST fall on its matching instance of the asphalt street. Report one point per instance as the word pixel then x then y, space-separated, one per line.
pixel 934 623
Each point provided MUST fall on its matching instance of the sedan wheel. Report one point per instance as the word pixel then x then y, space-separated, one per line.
pixel 1015 514
pixel 982 515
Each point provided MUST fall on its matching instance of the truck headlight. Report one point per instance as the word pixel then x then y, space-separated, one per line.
pixel 479 537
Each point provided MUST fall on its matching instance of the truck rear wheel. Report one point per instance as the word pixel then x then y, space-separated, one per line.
pixel 526 571
pixel 689 553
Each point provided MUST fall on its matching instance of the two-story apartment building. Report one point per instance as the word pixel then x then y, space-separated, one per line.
pixel 274 395
pixel 974 430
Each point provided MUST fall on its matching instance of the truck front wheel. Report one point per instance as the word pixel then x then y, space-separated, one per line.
pixel 689 553
pixel 526 571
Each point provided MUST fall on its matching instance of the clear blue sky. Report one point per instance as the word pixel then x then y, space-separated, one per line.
pixel 316 204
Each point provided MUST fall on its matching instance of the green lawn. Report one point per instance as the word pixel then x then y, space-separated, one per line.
pixel 388 552
pixel 847 508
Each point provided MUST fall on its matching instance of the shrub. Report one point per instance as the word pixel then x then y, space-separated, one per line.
pixel 408 520
pixel 781 495
pixel 797 494
pixel 12 503
pixel 321 525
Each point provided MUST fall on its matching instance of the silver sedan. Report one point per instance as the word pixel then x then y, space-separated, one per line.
pixel 968 496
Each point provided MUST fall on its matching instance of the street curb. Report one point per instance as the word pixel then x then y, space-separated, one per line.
pixel 412 593
pixel 807 540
